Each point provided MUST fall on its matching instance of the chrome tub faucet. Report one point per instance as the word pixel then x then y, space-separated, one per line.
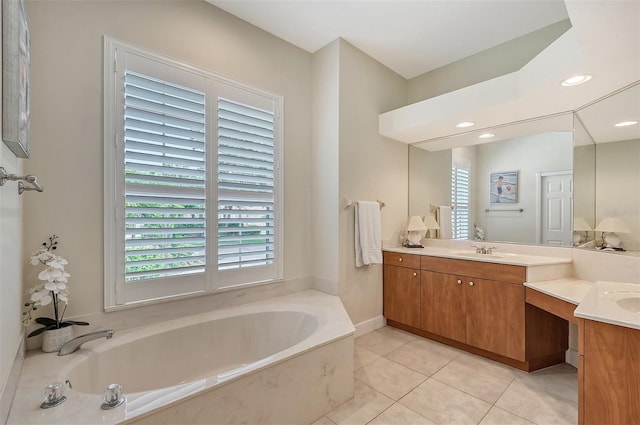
pixel 75 343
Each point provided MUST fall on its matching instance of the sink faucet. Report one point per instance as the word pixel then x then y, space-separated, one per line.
pixel 75 343
pixel 483 249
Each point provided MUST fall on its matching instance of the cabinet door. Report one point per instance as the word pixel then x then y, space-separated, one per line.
pixel 402 295
pixel 443 305
pixel 495 317
pixel 611 374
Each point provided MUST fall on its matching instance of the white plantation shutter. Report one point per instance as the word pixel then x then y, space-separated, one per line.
pixel 181 143
pixel 245 186
pixel 164 179
pixel 460 200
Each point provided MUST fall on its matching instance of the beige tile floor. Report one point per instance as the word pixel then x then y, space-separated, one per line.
pixel 403 379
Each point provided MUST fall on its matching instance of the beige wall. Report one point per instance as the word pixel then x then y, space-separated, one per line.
pixel 324 167
pixel 67 133
pixel 429 180
pixel 11 261
pixel 617 183
pixel 371 167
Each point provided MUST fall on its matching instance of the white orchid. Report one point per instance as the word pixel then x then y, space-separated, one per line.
pixel 53 290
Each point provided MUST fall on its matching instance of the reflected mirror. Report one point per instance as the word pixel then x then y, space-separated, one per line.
pixel 612 125
pixel 600 149
pixel 512 186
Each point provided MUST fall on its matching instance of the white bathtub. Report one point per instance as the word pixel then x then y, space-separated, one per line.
pixel 279 361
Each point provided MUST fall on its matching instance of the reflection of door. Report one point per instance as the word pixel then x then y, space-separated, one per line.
pixel 556 208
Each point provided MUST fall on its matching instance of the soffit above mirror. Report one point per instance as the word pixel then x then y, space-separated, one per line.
pixel 603 42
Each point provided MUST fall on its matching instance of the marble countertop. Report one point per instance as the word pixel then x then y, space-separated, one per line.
pixel 570 290
pixel 616 303
pixel 470 254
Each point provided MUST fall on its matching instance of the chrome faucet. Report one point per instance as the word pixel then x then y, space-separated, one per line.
pixel 483 249
pixel 75 343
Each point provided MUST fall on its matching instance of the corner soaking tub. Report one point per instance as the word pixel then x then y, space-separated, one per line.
pixel 278 361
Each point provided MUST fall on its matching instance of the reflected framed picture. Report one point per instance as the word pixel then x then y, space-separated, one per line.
pixel 503 187
pixel 16 62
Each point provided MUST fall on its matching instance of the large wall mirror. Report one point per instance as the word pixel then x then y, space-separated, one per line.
pixel 558 172
pixel 613 133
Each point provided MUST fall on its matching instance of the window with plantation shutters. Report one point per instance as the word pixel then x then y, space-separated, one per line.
pixel 245 186
pixel 192 180
pixel 164 154
pixel 460 204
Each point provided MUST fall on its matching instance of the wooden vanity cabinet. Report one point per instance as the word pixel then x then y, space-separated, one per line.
pixel 484 313
pixel 609 374
pixel 472 305
pixel 401 288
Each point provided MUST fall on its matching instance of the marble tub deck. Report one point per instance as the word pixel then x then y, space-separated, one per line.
pixel 401 379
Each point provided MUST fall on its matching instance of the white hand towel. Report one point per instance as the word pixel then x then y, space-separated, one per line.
pixel 444 220
pixel 368 238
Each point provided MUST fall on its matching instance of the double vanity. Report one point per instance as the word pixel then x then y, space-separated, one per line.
pixel 515 309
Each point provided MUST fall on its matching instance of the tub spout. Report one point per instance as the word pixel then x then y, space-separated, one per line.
pixel 75 343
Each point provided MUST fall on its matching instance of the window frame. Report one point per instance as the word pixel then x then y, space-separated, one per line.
pixel 116 294
pixel 457 164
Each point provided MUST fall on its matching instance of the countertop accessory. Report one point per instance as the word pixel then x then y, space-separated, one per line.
pixel 416 230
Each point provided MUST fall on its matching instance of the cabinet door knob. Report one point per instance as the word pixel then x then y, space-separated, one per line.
pixel 459 282
pixel 415 274
pixel 400 259
pixel 470 283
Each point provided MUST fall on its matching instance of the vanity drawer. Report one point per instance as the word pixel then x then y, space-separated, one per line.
pixel 479 269
pixel 411 261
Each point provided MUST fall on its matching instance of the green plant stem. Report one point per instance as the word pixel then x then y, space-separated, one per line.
pixel 55 309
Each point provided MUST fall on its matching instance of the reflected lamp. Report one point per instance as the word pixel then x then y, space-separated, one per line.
pixel 609 226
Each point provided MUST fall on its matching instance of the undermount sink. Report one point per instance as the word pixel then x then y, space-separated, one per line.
pixel 626 299
pixel 631 304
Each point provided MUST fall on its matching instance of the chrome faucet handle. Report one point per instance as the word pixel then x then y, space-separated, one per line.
pixel 490 250
pixel 112 397
pixel 53 395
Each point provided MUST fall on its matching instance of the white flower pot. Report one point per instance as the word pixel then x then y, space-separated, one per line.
pixel 54 339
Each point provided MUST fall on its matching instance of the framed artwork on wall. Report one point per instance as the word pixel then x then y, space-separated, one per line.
pixel 503 187
pixel 16 62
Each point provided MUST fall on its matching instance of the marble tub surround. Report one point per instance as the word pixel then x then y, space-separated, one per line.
pixel 315 372
pixel 601 304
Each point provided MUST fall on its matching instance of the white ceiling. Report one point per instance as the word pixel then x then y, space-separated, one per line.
pixel 410 37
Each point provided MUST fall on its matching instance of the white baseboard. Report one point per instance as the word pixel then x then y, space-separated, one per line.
pixel 571 357
pixel 370 325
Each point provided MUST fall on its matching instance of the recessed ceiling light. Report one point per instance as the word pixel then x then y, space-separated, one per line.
pixel 465 124
pixel 486 136
pixel 626 123
pixel 576 80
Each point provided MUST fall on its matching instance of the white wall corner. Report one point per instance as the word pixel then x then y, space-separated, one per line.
pixel 327 286
pixel 370 325
pixel 571 357
pixel 8 388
